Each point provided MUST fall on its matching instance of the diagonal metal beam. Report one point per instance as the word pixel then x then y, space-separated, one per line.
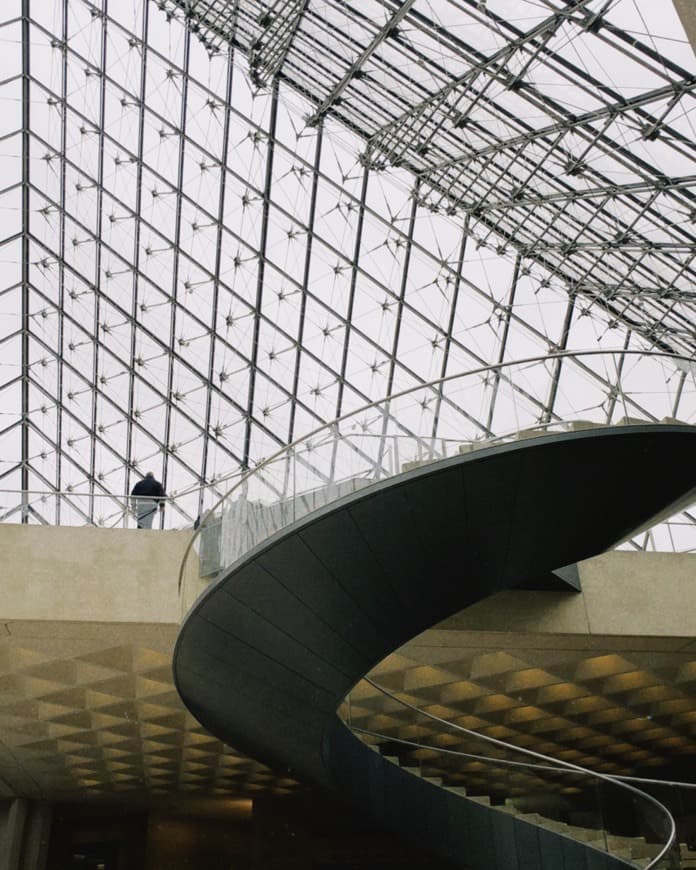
pixel 261 269
pixel 354 70
pixel 219 17
pixel 402 292
pixel 504 340
pixel 26 158
pixel 351 291
pixel 167 447
pixel 552 265
pixel 96 358
pixel 277 28
pixel 677 184
pixel 574 123
pixel 61 250
pixel 143 47
pixel 304 287
pixel 219 239
pixel 399 137
pixel 106 394
pixel 159 343
pixel 558 363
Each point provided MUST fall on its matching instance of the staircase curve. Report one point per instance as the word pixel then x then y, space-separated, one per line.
pixel 268 653
pixel 550 795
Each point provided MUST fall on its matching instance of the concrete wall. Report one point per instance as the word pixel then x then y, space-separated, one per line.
pixel 623 594
pixel 91 574
pixel 95 575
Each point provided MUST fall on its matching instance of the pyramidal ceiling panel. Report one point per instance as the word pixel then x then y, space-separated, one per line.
pixel 225 223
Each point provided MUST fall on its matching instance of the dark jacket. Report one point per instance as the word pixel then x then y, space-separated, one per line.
pixel 148 487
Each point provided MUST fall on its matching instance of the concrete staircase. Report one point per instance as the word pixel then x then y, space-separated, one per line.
pixel 636 851
pixel 688 857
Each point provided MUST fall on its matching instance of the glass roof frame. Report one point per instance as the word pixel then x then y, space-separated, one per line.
pixel 116 178
pixel 568 255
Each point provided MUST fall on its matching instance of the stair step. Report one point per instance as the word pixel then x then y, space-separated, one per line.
pixel 482 799
pixel 633 849
pixel 641 849
pixel 688 857
pixel 587 835
pixel 553 825
pixel 537 819
pixel 687 854
pixel 416 771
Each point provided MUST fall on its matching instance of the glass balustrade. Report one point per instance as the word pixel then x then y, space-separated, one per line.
pixel 425 423
pixel 443 419
pixel 81 507
pixel 600 811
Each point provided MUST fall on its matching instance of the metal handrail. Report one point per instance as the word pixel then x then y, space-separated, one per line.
pixel 120 500
pixel 567 765
pixel 621 352
pixel 121 505
pixel 506 762
pixel 500 368
pixel 73 493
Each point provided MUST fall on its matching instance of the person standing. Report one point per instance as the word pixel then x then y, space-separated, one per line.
pixel 146 497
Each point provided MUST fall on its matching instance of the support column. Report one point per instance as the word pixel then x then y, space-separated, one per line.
pixel 12 834
pixel 37 834
pixel 25 828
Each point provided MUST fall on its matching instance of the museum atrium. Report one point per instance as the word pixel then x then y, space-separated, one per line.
pixel 290 249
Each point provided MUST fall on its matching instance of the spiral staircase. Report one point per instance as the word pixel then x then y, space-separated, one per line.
pixel 636 851
pixel 523 784
pixel 271 650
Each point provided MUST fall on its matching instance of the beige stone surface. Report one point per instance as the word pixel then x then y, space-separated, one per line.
pixel 68 575
pixel 623 594
pixel 89 617
pixel 521 610
pixel 88 708
pixel 641 594
pixel 113 575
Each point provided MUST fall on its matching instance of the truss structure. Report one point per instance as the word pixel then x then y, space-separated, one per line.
pixel 225 222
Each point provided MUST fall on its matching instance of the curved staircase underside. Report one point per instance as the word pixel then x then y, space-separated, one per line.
pixel 269 651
